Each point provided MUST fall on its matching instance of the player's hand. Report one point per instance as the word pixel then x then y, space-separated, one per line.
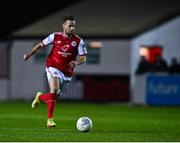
pixel 73 64
pixel 26 56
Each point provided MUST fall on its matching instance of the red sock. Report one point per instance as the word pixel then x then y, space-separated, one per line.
pixel 50 100
pixel 51 104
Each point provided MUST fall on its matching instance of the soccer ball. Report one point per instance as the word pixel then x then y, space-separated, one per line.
pixel 84 124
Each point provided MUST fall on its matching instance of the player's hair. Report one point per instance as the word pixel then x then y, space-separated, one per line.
pixel 67 17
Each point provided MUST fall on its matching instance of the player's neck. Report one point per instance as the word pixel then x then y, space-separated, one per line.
pixel 67 35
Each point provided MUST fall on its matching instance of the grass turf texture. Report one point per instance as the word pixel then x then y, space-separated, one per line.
pixel 111 122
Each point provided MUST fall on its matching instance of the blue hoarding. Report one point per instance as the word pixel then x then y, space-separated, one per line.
pixel 163 90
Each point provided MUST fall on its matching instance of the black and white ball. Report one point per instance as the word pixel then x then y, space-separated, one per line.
pixel 84 124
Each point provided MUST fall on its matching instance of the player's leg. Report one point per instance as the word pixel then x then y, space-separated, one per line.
pixel 56 85
pixel 50 99
pixel 54 88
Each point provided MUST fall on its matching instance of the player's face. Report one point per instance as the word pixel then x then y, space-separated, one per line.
pixel 69 27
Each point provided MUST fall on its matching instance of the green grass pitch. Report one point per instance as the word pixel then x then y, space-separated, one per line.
pixel 111 123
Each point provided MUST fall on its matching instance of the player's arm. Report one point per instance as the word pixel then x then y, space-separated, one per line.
pixel 33 51
pixel 48 40
pixel 81 60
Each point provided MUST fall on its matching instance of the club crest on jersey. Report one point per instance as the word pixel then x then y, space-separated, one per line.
pixel 73 43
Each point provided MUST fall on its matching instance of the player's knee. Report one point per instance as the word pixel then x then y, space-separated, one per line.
pixel 55 90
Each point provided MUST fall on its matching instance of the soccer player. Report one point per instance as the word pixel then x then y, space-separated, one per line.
pixel 68 51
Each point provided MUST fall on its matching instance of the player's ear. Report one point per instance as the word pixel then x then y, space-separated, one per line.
pixel 63 25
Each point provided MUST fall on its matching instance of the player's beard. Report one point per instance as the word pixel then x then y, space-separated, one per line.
pixel 69 34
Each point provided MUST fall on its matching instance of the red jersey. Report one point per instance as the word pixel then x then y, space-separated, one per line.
pixel 64 51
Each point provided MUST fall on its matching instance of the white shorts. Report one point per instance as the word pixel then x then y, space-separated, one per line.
pixel 53 72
